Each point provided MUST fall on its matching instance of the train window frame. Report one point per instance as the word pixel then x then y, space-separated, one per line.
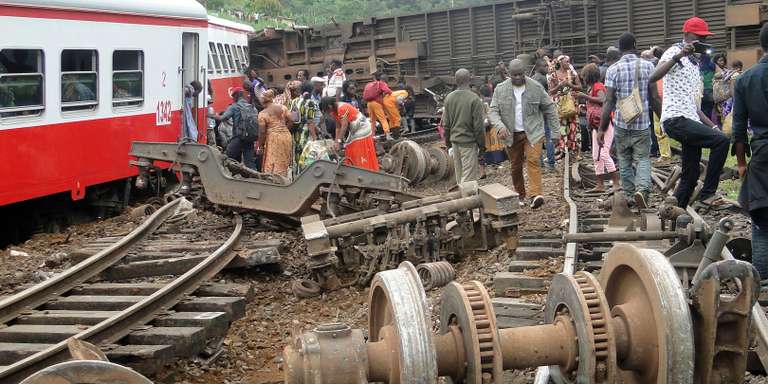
pixel 230 58
pixel 31 110
pixel 224 65
pixel 134 102
pixel 215 55
pixel 84 105
pixel 210 62
pixel 238 59
pixel 246 58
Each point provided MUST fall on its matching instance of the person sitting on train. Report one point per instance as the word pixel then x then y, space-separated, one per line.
pixel 189 124
pixel 74 90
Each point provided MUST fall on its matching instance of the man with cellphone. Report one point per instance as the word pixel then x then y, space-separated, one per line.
pixel 683 119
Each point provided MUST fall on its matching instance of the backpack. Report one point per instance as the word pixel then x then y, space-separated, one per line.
pixel 247 126
pixel 371 91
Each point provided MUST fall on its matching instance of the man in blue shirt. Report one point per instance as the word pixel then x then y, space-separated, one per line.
pixel 189 124
pixel 751 108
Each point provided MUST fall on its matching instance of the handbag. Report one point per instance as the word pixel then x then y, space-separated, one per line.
pixel 631 107
pixel 566 107
pixel 721 88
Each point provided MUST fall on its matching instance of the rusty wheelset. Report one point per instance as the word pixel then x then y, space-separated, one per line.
pixel 632 325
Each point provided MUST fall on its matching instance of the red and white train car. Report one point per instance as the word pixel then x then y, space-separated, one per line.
pixel 227 58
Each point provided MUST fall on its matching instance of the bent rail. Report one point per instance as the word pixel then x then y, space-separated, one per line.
pixel 121 324
pixel 88 268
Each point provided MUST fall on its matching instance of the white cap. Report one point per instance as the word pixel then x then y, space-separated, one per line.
pixel 318 79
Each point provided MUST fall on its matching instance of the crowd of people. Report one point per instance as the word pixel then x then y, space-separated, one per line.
pixel 623 108
pixel 283 130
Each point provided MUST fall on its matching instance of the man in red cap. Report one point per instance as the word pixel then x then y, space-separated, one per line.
pixel 683 120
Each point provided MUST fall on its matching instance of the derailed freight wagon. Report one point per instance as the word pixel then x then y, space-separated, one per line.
pixel 424 50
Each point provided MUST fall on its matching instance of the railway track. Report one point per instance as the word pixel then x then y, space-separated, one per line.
pixel 138 323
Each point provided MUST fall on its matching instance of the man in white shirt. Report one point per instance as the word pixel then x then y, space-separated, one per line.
pixel 335 80
pixel 683 120
pixel 519 107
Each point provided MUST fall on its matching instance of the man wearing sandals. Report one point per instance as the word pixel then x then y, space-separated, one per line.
pixel 751 104
pixel 683 119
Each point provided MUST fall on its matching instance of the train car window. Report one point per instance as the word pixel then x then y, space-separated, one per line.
pixel 215 56
pixel 79 79
pixel 210 63
pixel 223 58
pixel 21 82
pixel 127 78
pixel 238 60
pixel 232 66
pixel 246 58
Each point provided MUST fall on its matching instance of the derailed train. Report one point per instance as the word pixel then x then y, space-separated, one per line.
pixel 424 50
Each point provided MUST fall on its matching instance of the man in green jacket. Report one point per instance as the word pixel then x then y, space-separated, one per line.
pixel 518 110
pixel 463 120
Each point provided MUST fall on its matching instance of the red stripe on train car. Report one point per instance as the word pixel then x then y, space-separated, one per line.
pixel 69 157
pixel 98 16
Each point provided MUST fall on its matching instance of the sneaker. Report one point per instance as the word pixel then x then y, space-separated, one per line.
pixel 537 202
pixel 640 200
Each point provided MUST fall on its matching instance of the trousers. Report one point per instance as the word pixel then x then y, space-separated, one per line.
pixel 633 147
pixel 466 162
pixel 390 109
pixel 521 151
pixel 376 113
pixel 693 136
pixel 241 150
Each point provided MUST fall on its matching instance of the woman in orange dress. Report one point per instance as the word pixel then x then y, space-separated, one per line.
pixel 353 133
pixel 275 138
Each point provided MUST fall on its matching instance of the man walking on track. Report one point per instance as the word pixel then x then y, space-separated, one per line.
pixel 463 118
pixel 519 108
pixel 629 95
pixel 683 120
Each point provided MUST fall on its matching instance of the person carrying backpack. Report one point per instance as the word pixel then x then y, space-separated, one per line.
pixel 245 128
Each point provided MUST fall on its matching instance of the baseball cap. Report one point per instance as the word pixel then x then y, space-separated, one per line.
pixel 318 79
pixel 697 26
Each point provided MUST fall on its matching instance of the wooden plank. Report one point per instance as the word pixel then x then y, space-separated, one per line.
pixel 503 281
pixel 186 341
pixel 541 243
pixel 93 303
pixel 245 290
pixel 536 253
pixel 46 334
pixel 215 324
pixel 234 306
pixel 145 359
pixel 65 317
pixel 13 352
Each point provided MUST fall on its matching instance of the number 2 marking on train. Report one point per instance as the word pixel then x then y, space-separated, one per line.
pixel 163 81
pixel 163 113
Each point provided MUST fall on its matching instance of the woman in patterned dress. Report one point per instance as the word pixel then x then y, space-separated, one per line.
pixel 353 133
pixel 563 80
pixel 277 144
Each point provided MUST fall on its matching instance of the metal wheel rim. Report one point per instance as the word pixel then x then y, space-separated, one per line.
pixel 397 298
pixel 563 294
pixel 443 164
pixel 86 371
pixel 645 277
pixel 454 305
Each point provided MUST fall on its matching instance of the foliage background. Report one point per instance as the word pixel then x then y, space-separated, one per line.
pixel 277 13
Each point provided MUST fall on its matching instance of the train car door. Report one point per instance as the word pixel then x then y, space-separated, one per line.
pixel 189 67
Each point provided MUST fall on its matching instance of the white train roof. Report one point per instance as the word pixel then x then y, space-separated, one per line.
pixel 187 9
pixel 229 24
